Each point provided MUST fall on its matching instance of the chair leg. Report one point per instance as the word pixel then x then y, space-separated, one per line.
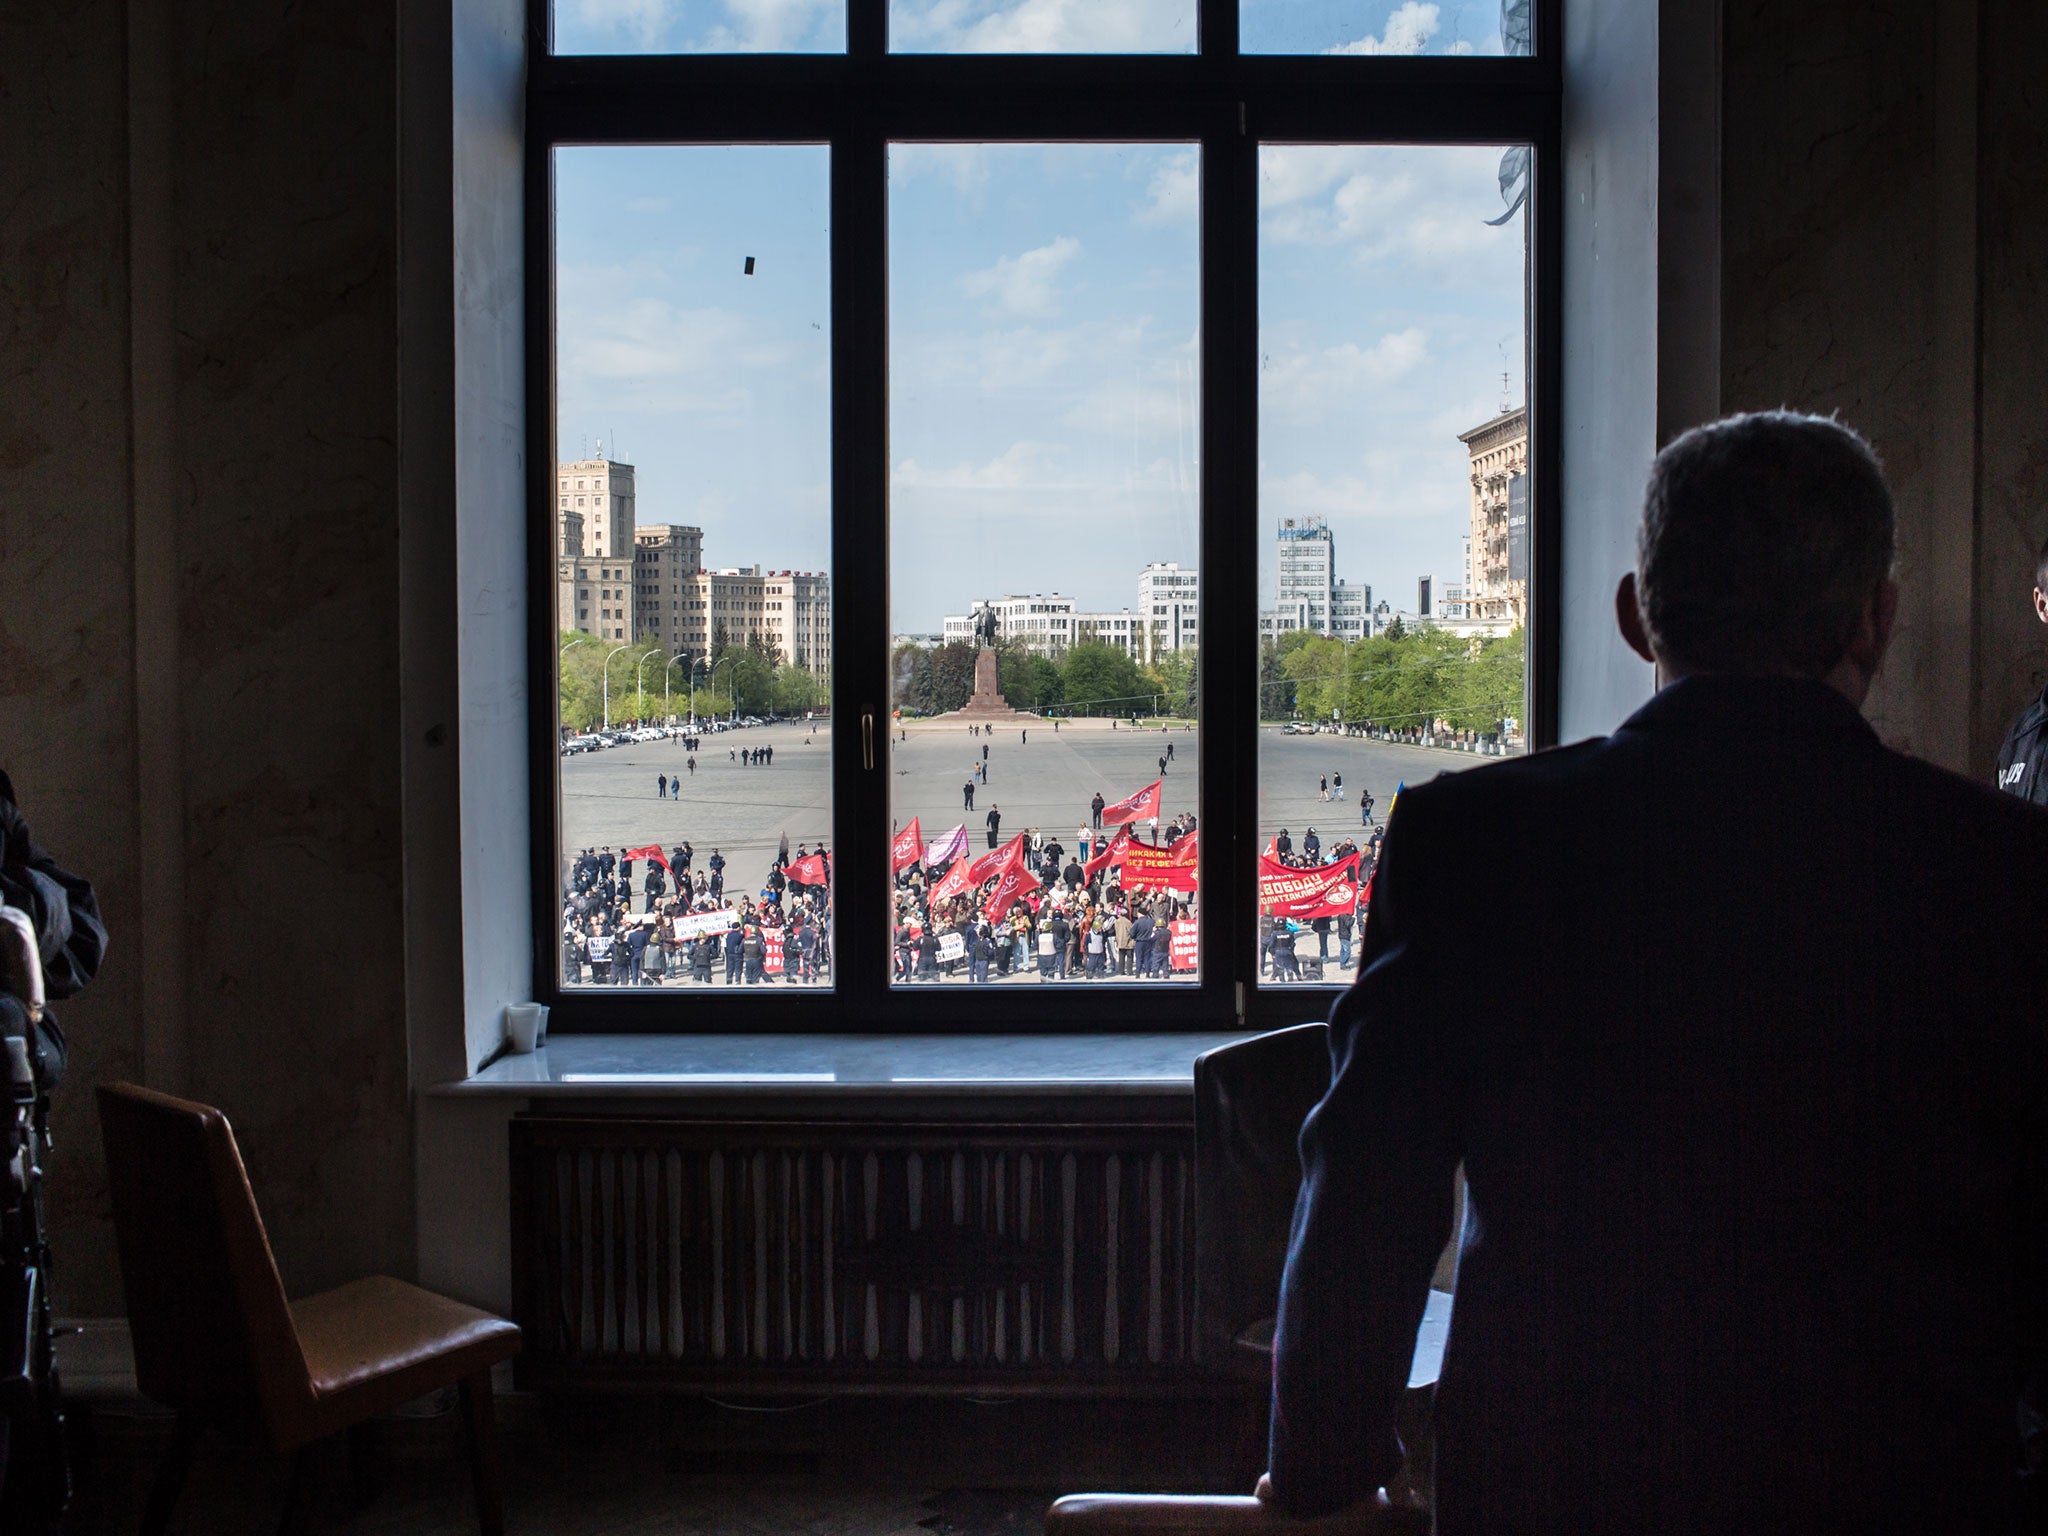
pixel 170 1476
pixel 295 1483
pixel 477 1429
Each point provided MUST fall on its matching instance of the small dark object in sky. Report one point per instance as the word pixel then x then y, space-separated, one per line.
pixel 750 266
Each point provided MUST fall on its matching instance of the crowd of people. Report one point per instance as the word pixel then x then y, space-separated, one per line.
pixel 1074 924
pixel 690 926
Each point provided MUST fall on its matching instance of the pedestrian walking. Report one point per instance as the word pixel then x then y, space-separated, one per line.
pixel 661 786
pixel 995 822
pixel 1162 767
pixel 1336 786
pixel 1095 806
pixel 693 767
pixel 1323 787
pixel 984 751
pixel 1169 751
pixel 967 792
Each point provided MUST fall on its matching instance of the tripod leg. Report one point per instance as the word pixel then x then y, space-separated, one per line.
pixel 170 1476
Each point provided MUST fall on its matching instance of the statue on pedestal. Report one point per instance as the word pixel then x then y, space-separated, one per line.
pixel 985 626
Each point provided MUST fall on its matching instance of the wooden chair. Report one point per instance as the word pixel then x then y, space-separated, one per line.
pixel 1158 1514
pixel 215 1338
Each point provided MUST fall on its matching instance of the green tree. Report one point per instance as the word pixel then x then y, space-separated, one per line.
pixel 794 691
pixel 1048 687
pixel 1103 680
pixel 1015 675
pixel 952 676
pixel 910 678
pixel 1173 674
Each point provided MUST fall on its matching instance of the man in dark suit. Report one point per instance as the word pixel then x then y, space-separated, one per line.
pixel 1746 1075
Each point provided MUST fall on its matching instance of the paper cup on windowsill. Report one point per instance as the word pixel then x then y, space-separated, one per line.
pixel 526 1027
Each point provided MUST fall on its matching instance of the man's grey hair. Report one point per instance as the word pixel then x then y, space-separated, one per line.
pixel 1763 537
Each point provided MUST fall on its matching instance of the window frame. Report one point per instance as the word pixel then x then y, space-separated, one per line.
pixel 858 103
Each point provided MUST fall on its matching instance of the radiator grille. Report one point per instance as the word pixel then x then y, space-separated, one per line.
pixel 855 1253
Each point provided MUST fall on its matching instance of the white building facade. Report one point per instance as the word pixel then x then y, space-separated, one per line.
pixel 1169 609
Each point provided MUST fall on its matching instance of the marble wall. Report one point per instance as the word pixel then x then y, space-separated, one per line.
pixel 67 640
pixel 1885 167
pixel 2012 645
pixel 262 205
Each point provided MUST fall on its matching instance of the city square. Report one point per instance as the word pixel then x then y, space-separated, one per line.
pixel 1038 777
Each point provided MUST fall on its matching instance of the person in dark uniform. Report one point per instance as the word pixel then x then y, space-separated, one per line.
pixel 2023 760
pixel 995 823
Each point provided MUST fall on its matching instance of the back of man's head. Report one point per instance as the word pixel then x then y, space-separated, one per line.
pixel 1763 538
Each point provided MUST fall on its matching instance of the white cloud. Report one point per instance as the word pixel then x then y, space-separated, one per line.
pixel 1023 465
pixel 1175 193
pixel 1408 30
pixel 641 21
pixel 1418 209
pixel 1023 285
pixel 1305 386
pixel 1044 26
pixel 766 26
pixel 964 165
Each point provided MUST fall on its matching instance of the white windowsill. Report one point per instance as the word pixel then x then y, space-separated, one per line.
pixel 696 1066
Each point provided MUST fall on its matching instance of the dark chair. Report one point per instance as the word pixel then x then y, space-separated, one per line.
pixel 215 1338
pixel 1251 1098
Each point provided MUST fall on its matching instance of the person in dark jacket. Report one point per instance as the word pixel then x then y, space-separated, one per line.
pixel 1751 1127
pixel 2023 759
pixel 735 944
pixel 70 938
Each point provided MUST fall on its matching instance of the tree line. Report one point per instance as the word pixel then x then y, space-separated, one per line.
pixel 1403 677
pixel 750 679
pixel 1086 679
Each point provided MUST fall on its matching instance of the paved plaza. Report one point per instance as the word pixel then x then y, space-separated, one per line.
pixel 1037 776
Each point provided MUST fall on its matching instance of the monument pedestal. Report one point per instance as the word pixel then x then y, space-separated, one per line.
pixel 987 701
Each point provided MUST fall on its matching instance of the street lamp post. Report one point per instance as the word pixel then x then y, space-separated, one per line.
pixel 608 684
pixel 731 682
pixel 639 677
pixel 664 682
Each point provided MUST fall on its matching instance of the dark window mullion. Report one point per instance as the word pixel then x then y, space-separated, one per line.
pixel 1230 561
pixel 860 549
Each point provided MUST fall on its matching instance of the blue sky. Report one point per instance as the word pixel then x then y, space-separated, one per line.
pixel 1044 379
pixel 1026 26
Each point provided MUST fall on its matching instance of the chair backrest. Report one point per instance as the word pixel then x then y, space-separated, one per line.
pixel 213 1333
pixel 1250 1100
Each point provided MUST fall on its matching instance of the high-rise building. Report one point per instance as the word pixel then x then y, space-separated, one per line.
pixel 1497 587
pixel 1307 569
pixel 1169 609
pixel 600 491
pixel 595 596
pixel 666 557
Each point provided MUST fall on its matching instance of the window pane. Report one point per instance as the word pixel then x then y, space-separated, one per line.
pixel 700 26
pixel 1393 498
pixel 693 595
pixel 1042 26
pixel 1385 26
pixel 1044 417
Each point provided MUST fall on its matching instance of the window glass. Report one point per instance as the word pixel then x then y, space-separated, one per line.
pixel 700 26
pixel 1042 26
pixel 1385 27
pixel 693 349
pixel 1394 497
pixel 1044 532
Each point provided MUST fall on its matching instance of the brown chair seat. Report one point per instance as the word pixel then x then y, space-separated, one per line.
pixel 373 1344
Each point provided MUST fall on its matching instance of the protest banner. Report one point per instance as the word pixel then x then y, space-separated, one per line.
pixel 1014 881
pixel 695 925
pixel 1146 868
pixel 1315 890
pixel 1181 954
pixel 952 947
pixel 771 951
pixel 992 863
pixel 948 846
pixel 1112 851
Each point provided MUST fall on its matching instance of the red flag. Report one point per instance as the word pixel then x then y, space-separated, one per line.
pixel 1111 853
pixel 992 863
pixel 1014 881
pixel 907 849
pixel 1143 806
pixel 810 870
pixel 651 851
pixel 954 882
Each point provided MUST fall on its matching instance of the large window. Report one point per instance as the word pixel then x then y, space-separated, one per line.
pixel 1003 472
